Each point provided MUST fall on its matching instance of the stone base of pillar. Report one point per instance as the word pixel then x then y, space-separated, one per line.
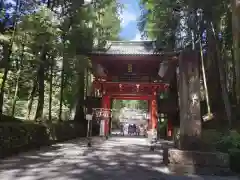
pixel 195 162
pixel 191 143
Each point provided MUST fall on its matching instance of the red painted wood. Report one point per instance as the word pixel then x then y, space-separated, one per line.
pixel 127 97
pixel 149 111
pixel 134 83
pixel 117 65
pixel 129 87
pixel 132 58
pixel 169 128
pixel 106 104
pixel 153 112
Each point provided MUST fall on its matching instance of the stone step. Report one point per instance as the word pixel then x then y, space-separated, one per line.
pixel 180 169
pixel 197 162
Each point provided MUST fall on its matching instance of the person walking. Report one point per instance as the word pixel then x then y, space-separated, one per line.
pixel 122 129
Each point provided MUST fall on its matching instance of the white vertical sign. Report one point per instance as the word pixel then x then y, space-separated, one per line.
pixel 102 127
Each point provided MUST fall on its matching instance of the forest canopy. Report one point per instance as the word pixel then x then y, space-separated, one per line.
pixel 210 27
pixel 43 46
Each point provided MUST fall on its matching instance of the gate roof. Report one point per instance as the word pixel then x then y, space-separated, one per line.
pixel 131 48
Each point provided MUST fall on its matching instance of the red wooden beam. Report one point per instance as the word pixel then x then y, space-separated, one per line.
pixel 134 83
pixel 124 88
pixel 129 87
pixel 124 97
pixel 119 85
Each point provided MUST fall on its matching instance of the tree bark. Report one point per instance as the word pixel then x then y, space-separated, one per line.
pixel 79 114
pixel 189 96
pixel 225 96
pixel 41 88
pixel 50 90
pixel 236 43
pixel 62 89
pixel 213 77
pixel 7 51
pixel 19 68
pixel 16 93
pixel 30 99
pixel 6 57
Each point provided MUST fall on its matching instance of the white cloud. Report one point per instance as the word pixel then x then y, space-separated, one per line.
pixel 137 37
pixel 126 17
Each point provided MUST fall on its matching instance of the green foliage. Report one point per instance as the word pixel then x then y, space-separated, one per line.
pixel 58 37
pixel 65 130
pixel 48 47
pixel 230 143
pixel 134 104
pixel 171 22
pixel 158 22
pixel 223 141
pixel 17 135
pixel 227 142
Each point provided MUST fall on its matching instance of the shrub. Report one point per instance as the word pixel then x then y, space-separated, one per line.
pixel 230 143
pixel 21 136
pixel 66 130
pixel 227 142
pixel 18 136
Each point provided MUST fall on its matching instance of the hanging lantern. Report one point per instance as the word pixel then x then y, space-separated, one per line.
pixel 163 67
pixel 164 94
pixel 167 71
pixel 161 95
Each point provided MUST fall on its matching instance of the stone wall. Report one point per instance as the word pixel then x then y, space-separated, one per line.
pixel 196 162
pixel 205 161
pixel 208 137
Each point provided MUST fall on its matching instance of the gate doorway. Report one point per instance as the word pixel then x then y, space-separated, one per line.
pixel 130 117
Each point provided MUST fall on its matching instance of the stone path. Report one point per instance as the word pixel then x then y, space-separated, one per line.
pixel 119 158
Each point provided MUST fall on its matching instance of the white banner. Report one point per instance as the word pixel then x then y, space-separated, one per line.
pixel 102 127
pixel 89 117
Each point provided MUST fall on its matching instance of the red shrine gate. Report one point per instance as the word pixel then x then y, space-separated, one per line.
pixel 132 71
pixel 131 91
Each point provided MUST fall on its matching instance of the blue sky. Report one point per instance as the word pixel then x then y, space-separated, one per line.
pixel 129 18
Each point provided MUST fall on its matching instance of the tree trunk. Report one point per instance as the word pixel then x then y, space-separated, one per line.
pixel 16 93
pixel 6 57
pixel 189 97
pixel 236 43
pixel 234 95
pixel 7 51
pixel 213 77
pixel 19 67
pixel 222 80
pixel 204 79
pixel 61 89
pixel 50 90
pixel 79 113
pixel 39 111
pixel 41 88
pixel 30 99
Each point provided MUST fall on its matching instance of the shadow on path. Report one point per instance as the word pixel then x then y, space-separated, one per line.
pixel 115 159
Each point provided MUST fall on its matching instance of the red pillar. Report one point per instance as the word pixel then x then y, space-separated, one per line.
pixel 150 114
pixel 154 112
pixel 106 105
pixel 169 128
